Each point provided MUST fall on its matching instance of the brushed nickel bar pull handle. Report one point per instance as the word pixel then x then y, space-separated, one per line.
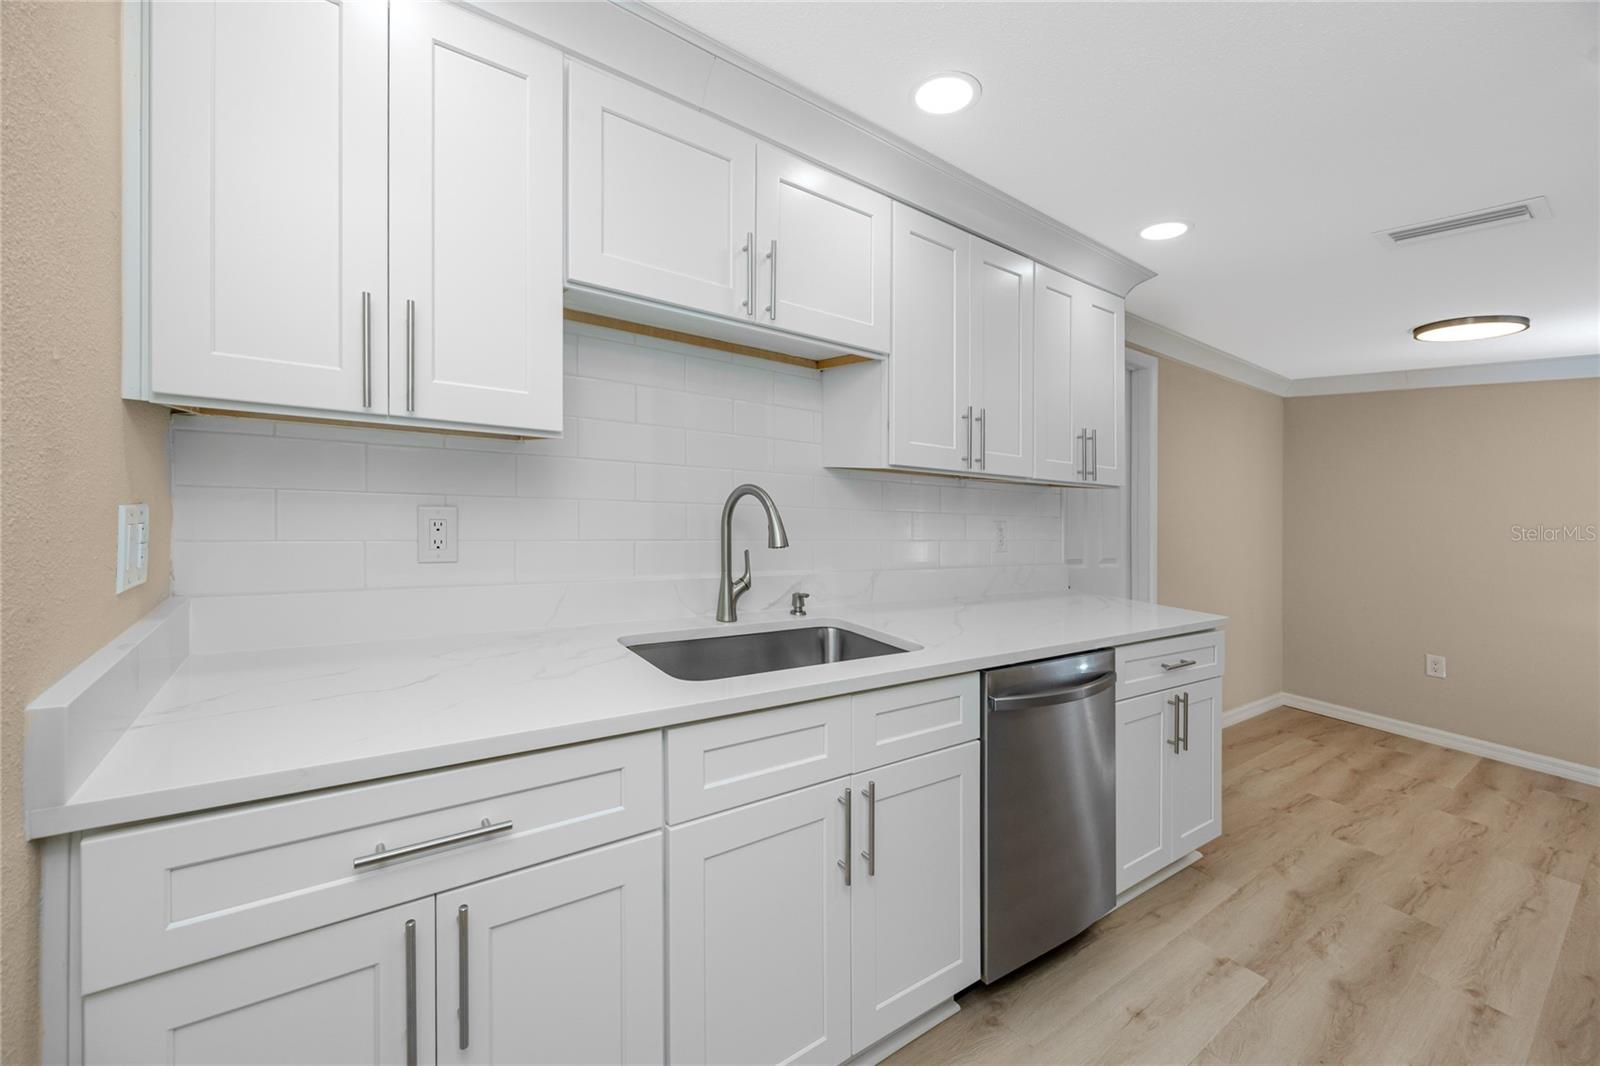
pixel 1179 665
pixel 967 421
pixel 1094 463
pixel 983 437
pixel 461 962
pixel 772 302
pixel 411 992
pixel 1185 721
pixel 411 356
pixel 871 854
pixel 1083 455
pixel 366 349
pixel 382 854
pixel 750 274
pixel 1175 740
pixel 849 817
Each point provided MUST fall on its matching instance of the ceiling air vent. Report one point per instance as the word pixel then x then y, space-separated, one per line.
pixel 1504 214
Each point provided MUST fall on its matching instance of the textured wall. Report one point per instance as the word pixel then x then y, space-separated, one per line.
pixel 70 449
pixel 1220 532
pixel 1401 519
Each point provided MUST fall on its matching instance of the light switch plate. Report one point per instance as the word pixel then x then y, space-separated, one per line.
pixel 133 545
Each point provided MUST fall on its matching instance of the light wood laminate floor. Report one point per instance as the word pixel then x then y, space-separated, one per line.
pixel 1373 899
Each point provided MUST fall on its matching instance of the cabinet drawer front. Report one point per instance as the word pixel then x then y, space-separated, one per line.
pixel 712 766
pixel 1158 664
pixel 164 895
pixel 896 723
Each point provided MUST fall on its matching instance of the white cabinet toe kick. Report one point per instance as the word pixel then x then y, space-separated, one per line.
pixel 804 880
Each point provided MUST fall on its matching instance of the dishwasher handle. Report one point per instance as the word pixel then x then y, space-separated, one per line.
pixel 1065 694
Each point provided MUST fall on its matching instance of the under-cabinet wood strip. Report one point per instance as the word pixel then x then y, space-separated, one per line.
pixel 732 347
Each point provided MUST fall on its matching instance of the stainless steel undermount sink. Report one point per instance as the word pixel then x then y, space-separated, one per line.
pixel 718 655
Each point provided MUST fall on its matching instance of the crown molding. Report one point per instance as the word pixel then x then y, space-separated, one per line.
pixel 1153 339
pixel 1566 368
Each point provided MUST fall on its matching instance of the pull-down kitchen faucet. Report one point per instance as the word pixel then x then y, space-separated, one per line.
pixel 728 589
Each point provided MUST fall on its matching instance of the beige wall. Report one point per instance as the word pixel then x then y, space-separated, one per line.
pixel 1219 527
pixel 1399 509
pixel 70 450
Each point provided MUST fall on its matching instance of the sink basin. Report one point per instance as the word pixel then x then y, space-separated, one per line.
pixel 708 658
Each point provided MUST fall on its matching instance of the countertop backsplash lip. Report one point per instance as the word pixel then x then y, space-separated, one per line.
pixel 244 726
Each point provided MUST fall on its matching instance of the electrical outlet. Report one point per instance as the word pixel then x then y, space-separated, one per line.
pixel 1435 666
pixel 133 545
pixel 1000 536
pixel 436 534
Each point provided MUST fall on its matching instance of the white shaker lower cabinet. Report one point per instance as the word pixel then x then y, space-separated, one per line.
pixel 1169 777
pixel 475 175
pixel 561 963
pixel 357 991
pixel 914 898
pixel 759 923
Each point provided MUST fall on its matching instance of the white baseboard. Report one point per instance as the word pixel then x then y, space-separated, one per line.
pixel 1528 760
pixel 1249 710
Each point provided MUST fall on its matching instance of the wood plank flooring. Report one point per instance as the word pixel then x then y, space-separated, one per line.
pixel 1373 899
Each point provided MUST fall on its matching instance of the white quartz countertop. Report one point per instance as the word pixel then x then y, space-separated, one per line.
pixel 229 728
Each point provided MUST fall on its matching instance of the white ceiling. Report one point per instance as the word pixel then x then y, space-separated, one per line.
pixel 1286 132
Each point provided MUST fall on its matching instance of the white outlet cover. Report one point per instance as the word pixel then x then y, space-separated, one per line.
pixel 436 535
pixel 133 545
pixel 1434 665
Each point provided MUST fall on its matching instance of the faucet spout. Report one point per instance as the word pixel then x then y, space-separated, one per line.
pixel 729 588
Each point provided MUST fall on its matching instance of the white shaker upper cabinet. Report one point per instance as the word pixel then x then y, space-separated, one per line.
pixel 266 227
pixel 660 198
pixel 475 226
pixel 560 963
pixel 823 245
pixel 1059 454
pixel 1002 360
pixel 1099 381
pixel 930 410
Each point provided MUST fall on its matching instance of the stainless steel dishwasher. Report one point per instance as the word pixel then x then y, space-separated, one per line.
pixel 1049 805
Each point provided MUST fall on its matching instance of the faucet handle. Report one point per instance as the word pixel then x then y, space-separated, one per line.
pixel 744 582
pixel 797 602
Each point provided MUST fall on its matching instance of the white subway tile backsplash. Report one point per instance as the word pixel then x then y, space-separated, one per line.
pixel 212 568
pixel 575 479
pixel 200 513
pixel 441 470
pixel 630 440
pixel 256 461
pixel 515 518
pixel 573 560
pixel 349 515
pixel 393 564
pixel 630 497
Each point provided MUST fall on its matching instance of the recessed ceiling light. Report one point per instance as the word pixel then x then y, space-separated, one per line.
pixel 1471 328
pixel 1164 231
pixel 945 94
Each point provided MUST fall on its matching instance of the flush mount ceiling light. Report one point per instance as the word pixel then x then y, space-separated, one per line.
pixel 947 93
pixel 1164 231
pixel 1471 328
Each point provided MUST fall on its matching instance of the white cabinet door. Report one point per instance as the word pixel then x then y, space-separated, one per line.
pixel 1002 360
pixel 759 923
pixel 914 904
pixel 1059 454
pixel 1146 725
pixel 930 367
pixel 338 994
pixel 1099 380
pixel 1197 769
pixel 560 963
pixel 475 222
pixel 823 243
pixel 660 197
pixel 268 141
